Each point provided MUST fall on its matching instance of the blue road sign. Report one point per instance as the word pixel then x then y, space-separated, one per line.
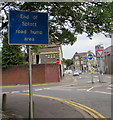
pixel 28 27
pixel 90 56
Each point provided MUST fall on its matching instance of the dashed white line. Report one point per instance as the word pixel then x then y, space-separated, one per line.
pixel 81 89
pixel 15 91
pixel 38 89
pixel 109 88
pixel 47 88
pixel 101 92
pixel 25 91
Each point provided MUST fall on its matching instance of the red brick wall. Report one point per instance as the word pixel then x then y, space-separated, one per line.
pixel 52 72
pixel 41 73
pixel 38 72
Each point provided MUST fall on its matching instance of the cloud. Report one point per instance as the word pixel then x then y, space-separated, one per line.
pixel 84 44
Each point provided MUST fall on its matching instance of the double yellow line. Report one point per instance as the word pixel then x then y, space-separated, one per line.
pixel 88 110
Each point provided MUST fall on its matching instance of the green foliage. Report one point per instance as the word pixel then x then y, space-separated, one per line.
pixel 11 54
pixel 68 62
pixel 68 19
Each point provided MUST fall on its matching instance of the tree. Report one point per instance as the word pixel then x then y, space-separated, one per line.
pixel 68 62
pixel 11 55
pixel 68 19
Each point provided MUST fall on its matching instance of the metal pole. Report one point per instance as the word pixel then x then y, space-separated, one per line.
pixel 101 70
pixel 92 78
pixel 30 87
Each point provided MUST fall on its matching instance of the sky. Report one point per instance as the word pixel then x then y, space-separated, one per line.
pixel 84 44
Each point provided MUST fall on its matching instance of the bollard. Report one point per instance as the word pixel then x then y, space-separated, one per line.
pixel 33 109
pixel 4 102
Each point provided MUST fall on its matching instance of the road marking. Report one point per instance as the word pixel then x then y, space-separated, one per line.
pixel 61 89
pixel 47 88
pixel 15 92
pixel 97 113
pixel 38 89
pixel 87 109
pixel 81 89
pixel 95 76
pixel 101 92
pixel 77 86
pixel 90 89
pixel 5 92
pixel 109 88
pixel 25 91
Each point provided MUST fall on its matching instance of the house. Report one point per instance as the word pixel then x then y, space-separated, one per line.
pixel 108 59
pixel 81 61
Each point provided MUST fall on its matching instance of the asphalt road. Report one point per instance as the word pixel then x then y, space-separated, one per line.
pixel 79 89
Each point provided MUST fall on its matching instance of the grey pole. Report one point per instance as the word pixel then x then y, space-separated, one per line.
pixel 30 86
pixel 92 78
pixel 101 69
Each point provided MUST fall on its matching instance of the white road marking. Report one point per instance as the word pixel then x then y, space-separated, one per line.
pixel 15 91
pixel 90 89
pixel 111 85
pixel 5 92
pixel 25 91
pixel 109 88
pixel 47 88
pixel 101 92
pixel 81 89
pixel 61 89
pixel 38 89
pixel 93 81
pixel 95 76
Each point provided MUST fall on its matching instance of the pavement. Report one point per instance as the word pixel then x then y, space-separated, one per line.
pixel 44 107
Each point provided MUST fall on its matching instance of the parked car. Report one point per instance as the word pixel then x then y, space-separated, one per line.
pixel 68 72
pixel 75 73
pixel 80 72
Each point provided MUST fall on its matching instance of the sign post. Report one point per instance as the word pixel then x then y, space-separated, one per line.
pixel 30 86
pixel 100 55
pixel 28 28
pixel 92 71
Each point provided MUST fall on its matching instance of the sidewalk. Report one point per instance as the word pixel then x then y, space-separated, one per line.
pixel 18 107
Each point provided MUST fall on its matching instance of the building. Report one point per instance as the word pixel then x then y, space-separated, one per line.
pixel 49 54
pixel 81 61
pixel 108 59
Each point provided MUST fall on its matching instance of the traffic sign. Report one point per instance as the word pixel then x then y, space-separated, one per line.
pixel 90 56
pixel 28 27
pixel 100 52
pixel 57 60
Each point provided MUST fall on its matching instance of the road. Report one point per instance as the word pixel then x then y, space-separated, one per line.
pixel 74 88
